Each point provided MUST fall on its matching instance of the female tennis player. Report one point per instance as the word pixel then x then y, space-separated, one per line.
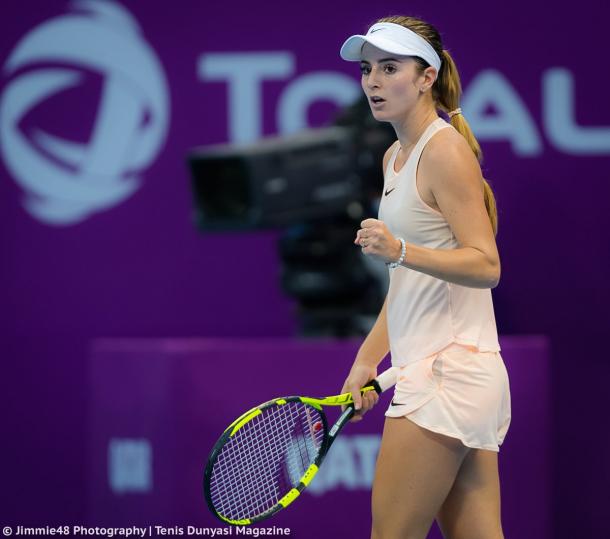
pixel 436 231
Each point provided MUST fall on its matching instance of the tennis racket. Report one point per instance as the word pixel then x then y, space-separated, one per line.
pixel 267 456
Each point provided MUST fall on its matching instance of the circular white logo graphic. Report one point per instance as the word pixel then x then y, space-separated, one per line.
pixel 65 181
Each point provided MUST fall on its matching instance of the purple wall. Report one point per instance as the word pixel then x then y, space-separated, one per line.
pixel 96 235
pixel 155 415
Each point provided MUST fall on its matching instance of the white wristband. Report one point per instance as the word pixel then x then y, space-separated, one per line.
pixel 403 253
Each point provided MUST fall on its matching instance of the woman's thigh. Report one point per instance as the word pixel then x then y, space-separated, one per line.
pixel 415 471
pixel 472 508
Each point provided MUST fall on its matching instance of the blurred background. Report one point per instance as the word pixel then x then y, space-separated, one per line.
pixel 136 295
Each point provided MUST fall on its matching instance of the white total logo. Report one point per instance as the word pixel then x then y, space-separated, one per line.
pixel 65 181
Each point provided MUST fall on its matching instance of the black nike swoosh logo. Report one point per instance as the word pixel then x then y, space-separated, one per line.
pixel 388 192
pixel 376 30
pixel 392 403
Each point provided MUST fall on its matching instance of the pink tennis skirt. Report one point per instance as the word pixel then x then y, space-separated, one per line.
pixel 459 392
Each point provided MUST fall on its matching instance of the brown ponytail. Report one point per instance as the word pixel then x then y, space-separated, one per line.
pixel 446 93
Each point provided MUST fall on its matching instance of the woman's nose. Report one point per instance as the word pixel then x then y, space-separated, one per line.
pixel 373 78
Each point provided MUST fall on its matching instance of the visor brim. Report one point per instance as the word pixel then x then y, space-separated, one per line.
pixel 352 48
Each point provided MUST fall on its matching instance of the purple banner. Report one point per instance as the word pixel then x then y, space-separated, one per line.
pixel 158 407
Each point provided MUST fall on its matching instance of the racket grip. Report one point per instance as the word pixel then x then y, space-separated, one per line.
pixel 387 379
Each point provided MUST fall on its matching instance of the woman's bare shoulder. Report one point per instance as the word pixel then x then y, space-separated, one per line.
pixel 448 144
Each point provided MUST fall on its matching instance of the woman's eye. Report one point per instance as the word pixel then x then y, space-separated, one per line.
pixel 388 68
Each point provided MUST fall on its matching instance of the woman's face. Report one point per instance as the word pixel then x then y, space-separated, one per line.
pixel 391 80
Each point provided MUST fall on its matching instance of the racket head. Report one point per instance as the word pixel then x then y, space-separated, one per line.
pixel 264 459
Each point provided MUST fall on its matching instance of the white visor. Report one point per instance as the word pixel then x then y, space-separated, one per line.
pixel 393 38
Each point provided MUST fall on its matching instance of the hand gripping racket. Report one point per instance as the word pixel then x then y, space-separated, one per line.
pixel 267 456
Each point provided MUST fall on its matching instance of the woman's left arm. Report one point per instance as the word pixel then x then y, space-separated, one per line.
pixel 457 186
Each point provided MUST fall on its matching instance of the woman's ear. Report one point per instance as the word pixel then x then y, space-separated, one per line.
pixel 430 76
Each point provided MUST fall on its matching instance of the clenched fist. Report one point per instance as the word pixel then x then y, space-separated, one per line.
pixel 376 240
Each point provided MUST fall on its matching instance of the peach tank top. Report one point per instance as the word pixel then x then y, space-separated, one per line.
pixel 426 314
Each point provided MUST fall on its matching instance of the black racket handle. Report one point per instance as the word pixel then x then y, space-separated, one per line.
pixel 375 385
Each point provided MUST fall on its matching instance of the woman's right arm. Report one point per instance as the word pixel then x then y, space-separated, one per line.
pixel 377 343
pixel 372 351
pixel 374 348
